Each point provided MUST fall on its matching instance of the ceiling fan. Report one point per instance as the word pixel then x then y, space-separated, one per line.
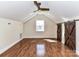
pixel 39 8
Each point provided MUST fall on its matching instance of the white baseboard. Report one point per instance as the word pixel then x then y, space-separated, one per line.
pixel 38 37
pixel 8 47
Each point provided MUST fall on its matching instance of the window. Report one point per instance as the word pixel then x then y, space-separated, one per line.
pixel 40 25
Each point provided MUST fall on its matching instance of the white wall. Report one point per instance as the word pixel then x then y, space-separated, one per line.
pixel 63 32
pixel 9 33
pixel 30 29
pixel 77 37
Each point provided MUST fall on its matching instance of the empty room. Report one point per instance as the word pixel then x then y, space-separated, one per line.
pixel 39 28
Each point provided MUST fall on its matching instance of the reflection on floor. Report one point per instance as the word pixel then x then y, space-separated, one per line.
pixel 38 48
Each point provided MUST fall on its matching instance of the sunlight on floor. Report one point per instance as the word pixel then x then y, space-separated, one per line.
pixel 50 40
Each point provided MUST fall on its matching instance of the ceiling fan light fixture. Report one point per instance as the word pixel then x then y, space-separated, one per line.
pixel 41 12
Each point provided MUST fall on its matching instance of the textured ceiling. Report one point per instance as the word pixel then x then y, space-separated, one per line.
pixel 18 10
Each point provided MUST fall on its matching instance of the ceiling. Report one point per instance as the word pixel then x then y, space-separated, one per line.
pixel 19 10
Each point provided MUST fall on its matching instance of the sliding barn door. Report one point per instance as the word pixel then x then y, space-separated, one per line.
pixel 70 40
pixel 59 32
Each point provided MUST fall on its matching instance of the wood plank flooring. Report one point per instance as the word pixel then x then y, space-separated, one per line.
pixel 27 48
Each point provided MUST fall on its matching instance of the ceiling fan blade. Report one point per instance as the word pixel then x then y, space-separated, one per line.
pixel 44 9
pixel 37 4
pixel 39 8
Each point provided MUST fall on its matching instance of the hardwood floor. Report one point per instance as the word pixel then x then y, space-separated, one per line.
pixel 28 48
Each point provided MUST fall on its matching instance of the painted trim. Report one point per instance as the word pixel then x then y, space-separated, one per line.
pixel 31 15
pixel 26 19
pixel 8 47
pixel 41 38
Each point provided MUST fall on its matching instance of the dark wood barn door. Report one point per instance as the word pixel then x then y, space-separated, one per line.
pixel 59 32
pixel 70 40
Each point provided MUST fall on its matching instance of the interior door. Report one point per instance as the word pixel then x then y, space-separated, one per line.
pixel 70 40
